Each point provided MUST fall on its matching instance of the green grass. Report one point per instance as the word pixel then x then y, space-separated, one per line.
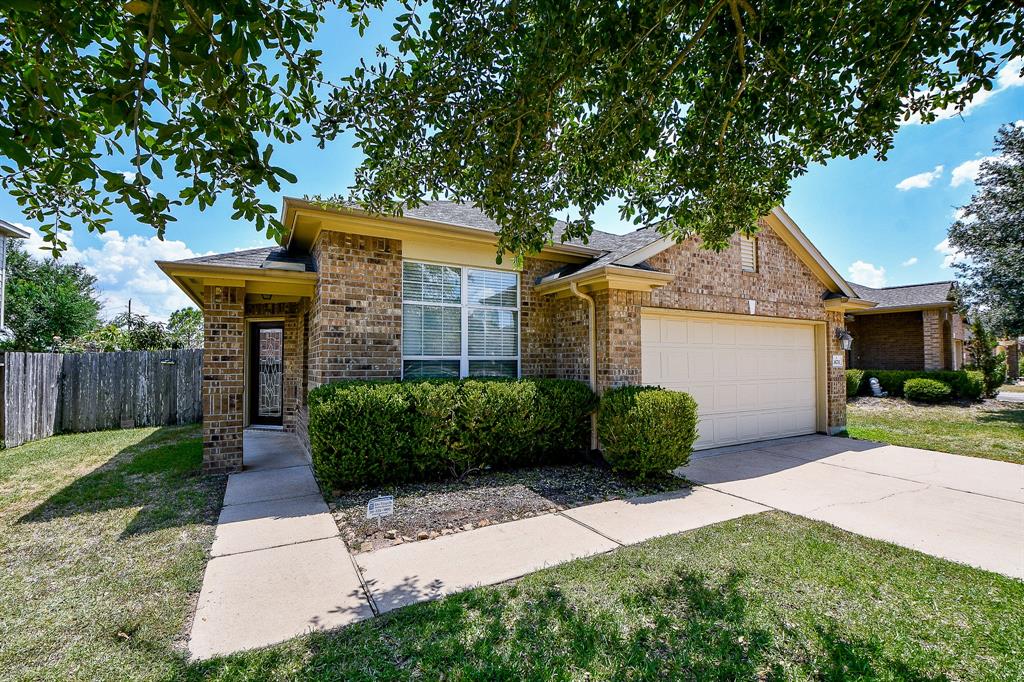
pixel 765 597
pixel 990 430
pixel 1012 388
pixel 103 538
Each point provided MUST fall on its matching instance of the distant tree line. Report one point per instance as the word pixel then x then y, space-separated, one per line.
pixel 55 306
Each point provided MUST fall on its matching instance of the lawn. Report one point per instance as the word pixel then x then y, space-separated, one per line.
pixel 104 540
pixel 1011 388
pixel 990 429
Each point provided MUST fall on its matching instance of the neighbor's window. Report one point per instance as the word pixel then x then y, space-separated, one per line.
pixel 748 253
pixel 459 322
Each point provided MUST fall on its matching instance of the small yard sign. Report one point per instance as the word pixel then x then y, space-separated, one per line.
pixel 380 506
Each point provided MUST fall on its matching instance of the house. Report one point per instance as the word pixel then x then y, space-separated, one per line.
pixel 752 332
pixel 915 327
pixel 7 231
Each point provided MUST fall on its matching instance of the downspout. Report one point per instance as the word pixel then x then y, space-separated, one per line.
pixel 592 342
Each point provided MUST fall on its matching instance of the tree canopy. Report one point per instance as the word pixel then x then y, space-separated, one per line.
pixel 47 300
pixel 989 235
pixel 694 116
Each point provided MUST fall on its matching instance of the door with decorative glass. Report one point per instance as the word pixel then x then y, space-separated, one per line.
pixel 266 373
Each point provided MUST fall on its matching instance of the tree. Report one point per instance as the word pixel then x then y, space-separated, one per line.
pixel 983 356
pixel 990 235
pixel 95 97
pixel 694 115
pixel 47 299
pixel 126 331
pixel 185 327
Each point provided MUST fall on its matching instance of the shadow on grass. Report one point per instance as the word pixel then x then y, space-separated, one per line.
pixel 1006 415
pixel 160 474
pixel 683 625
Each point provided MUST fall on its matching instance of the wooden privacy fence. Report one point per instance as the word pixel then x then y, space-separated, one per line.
pixel 49 393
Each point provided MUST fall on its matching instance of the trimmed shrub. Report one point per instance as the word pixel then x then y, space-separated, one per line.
pixel 965 384
pixel 369 433
pixel 927 390
pixel 646 430
pixel 853 379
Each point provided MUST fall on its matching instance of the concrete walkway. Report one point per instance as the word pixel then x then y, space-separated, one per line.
pixel 1007 397
pixel 965 509
pixel 278 568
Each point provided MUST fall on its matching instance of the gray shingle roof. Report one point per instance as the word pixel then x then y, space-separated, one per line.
pixel 254 258
pixel 468 215
pixel 929 294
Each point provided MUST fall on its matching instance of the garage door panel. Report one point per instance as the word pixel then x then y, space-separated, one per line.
pixel 751 380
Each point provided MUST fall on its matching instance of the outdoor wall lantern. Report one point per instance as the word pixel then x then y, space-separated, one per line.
pixel 845 338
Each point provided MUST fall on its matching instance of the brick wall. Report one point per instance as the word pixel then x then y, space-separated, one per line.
pixel 887 341
pixel 356 318
pixel 836 376
pixel 932 334
pixel 223 378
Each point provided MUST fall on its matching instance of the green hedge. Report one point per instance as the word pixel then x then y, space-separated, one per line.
pixel 646 430
pixel 965 384
pixel 367 433
pixel 853 379
pixel 927 390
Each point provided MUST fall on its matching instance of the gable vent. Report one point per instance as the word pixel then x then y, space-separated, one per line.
pixel 748 253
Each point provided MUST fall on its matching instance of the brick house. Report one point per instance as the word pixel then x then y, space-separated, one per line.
pixel 913 327
pixel 752 332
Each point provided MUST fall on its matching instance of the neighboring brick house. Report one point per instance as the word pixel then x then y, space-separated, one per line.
pixel 913 327
pixel 752 332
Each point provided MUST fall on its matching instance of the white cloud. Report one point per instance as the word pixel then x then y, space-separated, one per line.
pixel 1007 77
pixel 910 261
pixel 867 274
pixel 968 170
pixel 124 268
pixel 950 254
pixel 921 180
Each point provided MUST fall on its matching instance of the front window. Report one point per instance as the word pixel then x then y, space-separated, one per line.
pixel 459 322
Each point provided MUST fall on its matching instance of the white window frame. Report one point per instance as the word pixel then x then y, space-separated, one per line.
pixel 465 306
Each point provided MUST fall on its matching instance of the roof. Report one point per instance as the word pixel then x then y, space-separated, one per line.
pixel 8 230
pixel 468 215
pixel 927 295
pixel 623 253
pixel 270 257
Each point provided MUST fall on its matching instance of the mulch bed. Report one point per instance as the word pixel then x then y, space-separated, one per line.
pixel 424 511
pixel 890 404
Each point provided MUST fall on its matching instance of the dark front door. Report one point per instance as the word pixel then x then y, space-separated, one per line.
pixel 266 372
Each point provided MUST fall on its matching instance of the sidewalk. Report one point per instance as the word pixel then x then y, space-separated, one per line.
pixel 280 569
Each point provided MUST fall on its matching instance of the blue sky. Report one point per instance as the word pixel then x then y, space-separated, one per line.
pixel 878 222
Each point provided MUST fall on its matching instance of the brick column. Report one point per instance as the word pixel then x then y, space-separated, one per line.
pixel 932 329
pixel 618 338
pixel 836 382
pixel 356 322
pixel 223 378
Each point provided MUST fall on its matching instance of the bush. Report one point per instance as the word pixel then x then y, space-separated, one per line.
pixel 965 384
pixel 853 379
pixel 927 390
pixel 646 430
pixel 368 433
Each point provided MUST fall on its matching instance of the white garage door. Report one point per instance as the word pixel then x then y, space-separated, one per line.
pixel 751 380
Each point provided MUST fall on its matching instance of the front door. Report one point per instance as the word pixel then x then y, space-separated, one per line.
pixel 266 372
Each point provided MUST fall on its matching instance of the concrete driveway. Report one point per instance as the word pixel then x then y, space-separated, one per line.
pixel 965 509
